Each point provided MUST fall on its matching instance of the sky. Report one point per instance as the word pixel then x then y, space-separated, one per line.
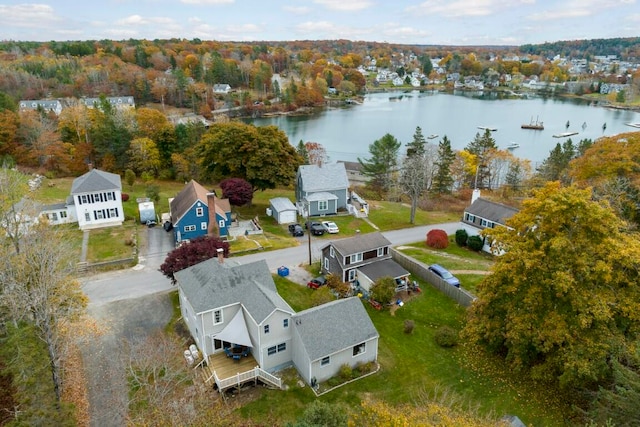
pixel 440 22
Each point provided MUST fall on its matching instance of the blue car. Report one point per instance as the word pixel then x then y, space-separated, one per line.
pixel 445 275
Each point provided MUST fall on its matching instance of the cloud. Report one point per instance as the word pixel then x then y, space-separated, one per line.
pixel 461 8
pixel 324 30
pixel 579 9
pixel 139 20
pixel 297 10
pixel 207 2
pixel 28 15
pixel 345 5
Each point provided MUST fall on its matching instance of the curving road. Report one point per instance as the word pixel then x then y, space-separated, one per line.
pixel 146 279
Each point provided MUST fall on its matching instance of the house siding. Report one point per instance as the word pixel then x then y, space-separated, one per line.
pixel 94 209
pixel 323 373
pixel 190 219
pixel 277 335
pixel 332 208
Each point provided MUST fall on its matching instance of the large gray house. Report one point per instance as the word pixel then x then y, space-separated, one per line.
pixel 325 189
pixel 226 305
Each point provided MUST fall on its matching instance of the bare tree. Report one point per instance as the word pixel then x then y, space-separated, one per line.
pixel 15 211
pixel 416 175
pixel 39 289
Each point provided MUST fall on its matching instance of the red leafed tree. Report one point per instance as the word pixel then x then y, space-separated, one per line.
pixel 237 190
pixel 437 239
pixel 316 152
pixel 199 249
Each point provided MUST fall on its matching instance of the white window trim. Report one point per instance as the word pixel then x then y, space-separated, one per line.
pixel 188 228
pixel 325 361
pixel 323 205
pixel 221 317
pixel 203 225
pixel 352 275
pixel 356 258
pixel 200 211
pixel 380 252
pixel 363 351
pixel 332 252
pixel 326 264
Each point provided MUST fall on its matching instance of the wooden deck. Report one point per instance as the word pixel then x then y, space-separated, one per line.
pixel 226 367
pixel 227 372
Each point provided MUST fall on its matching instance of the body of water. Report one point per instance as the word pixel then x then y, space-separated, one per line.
pixel 346 133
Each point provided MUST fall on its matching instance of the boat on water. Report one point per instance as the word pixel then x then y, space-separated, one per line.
pixel 564 134
pixel 537 125
pixel 513 145
pixel 432 136
pixel 488 128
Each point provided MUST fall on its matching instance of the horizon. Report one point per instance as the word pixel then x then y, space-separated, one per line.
pixel 461 23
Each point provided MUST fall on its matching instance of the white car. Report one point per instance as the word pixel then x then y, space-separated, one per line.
pixel 330 226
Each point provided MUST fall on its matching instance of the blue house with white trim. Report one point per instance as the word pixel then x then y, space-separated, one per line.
pixel 196 212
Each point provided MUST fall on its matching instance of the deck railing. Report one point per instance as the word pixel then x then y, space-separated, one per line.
pixel 242 377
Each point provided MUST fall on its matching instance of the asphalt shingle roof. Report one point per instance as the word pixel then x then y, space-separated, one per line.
pixel 360 243
pixel 323 178
pixel 383 268
pixel 186 198
pixel 211 284
pixel 332 327
pixel 492 211
pixel 96 180
pixel 282 204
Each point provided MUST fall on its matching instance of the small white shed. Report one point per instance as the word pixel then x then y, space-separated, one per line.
pixel 283 210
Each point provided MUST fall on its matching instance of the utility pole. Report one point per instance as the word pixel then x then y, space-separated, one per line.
pixel 308 208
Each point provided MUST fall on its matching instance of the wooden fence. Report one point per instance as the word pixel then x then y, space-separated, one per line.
pixel 421 270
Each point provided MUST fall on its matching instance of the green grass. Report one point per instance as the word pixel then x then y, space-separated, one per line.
pixel 414 365
pixel 110 243
pixel 393 215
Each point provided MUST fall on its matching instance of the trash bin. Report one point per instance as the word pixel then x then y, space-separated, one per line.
pixel 283 271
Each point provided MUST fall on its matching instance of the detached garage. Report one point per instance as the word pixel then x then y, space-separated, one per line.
pixel 282 210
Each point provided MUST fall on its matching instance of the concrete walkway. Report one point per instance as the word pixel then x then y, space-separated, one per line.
pixel 85 246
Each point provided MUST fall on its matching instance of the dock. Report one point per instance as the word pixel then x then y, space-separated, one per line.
pixel 564 134
pixel 633 125
pixel 488 128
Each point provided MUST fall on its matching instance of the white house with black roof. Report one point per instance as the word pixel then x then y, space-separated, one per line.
pixel 225 305
pixel 97 197
pixel 483 213
pixel 361 260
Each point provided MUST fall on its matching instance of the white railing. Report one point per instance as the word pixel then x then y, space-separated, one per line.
pixel 243 377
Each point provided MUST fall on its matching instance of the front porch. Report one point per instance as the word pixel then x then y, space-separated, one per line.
pixel 227 372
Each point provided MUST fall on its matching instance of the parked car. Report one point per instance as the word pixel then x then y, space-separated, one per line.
pixel 296 230
pixel 317 282
pixel 445 275
pixel 330 227
pixel 315 228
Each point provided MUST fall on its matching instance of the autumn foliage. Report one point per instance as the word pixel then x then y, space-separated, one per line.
pixel 237 190
pixel 437 239
pixel 197 250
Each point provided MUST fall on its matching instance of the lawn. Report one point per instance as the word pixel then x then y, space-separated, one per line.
pixel 468 266
pixel 413 364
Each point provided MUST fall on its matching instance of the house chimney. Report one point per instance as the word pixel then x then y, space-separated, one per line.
pixel 220 255
pixel 212 229
pixel 475 195
pixel 90 165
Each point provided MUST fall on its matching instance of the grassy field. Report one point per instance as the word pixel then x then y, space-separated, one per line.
pixel 108 245
pixel 413 365
pixel 468 266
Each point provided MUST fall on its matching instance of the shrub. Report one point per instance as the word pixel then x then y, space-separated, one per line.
pixel 446 336
pixel 408 326
pixel 475 243
pixel 383 289
pixel 125 197
pixel 437 239
pixel 461 237
pixel 346 372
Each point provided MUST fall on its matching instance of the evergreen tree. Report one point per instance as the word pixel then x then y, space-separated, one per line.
pixel 443 181
pixel 416 147
pixel 302 150
pixel 556 166
pixel 383 162
pixel 480 147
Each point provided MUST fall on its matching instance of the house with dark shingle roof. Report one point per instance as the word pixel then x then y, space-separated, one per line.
pixel 361 260
pixel 196 212
pixel 325 188
pixel 226 304
pixel 483 213
pixel 331 335
pixel 97 197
